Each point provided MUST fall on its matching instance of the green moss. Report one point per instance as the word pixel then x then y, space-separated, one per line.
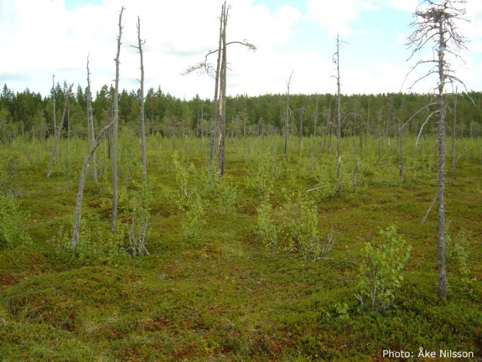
pixel 221 295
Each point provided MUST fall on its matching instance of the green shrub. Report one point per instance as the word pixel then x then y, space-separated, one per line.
pixel 187 198
pixel 261 175
pixel 217 192
pixel 457 255
pixel 95 243
pixel 267 229
pixel 381 269
pixel 12 233
pixel 292 227
pixel 138 230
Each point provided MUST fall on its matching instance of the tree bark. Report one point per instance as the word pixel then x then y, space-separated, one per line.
pixel 222 99
pixel 59 131
pixel 115 127
pixel 287 113
pixel 141 100
pixel 90 119
pixel 54 111
pixel 454 136
pixel 338 129
pixel 216 90
pixel 80 191
pixel 442 273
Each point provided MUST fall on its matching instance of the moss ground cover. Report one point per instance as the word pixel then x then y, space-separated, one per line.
pixel 222 295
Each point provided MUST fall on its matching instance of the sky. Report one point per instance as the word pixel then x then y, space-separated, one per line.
pixel 42 38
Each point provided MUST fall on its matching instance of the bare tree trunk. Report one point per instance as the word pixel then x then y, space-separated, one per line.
pixel 115 126
pixel 401 153
pixel 216 90
pixel 222 100
pixel 59 131
pixel 454 136
pixel 379 136
pixel 442 273
pixel 141 100
pixel 368 120
pixel 338 129
pixel 300 130
pixel 220 85
pixel 389 119
pixel 437 22
pixel 330 120
pixel 90 119
pixel 315 122
pixel 54 111
pixel 80 191
pixel 287 113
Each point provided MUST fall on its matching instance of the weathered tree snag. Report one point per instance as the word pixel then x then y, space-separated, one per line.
pixel 54 110
pixel 141 100
pixel 300 129
pixel 336 60
pixel 222 88
pixel 315 122
pixel 90 119
pixel 80 191
pixel 287 113
pixel 59 130
pixel 219 109
pixel 454 136
pixel 115 126
pixel 435 21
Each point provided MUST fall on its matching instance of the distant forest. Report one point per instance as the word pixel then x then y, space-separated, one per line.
pixel 29 114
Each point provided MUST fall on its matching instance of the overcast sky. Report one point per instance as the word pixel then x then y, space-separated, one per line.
pixel 39 38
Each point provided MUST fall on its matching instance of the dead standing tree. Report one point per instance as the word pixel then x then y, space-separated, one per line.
pixel 336 60
pixel 115 126
pixel 54 110
pixel 90 119
pixel 59 130
pixel 140 43
pixel 436 22
pixel 287 113
pixel 80 191
pixel 219 111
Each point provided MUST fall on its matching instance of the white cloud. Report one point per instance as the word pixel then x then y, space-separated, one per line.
pixel 403 5
pixel 334 15
pixel 337 16
pixel 41 38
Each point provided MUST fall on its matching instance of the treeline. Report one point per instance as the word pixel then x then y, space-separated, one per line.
pixel 29 114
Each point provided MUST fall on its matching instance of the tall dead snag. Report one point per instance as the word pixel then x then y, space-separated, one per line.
pixel 287 113
pixel 80 191
pixel 315 122
pixel 219 112
pixel 54 109
pixel 222 88
pixel 140 43
pixel 300 129
pixel 90 119
pixel 436 22
pixel 116 125
pixel 336 60
pixel 59 130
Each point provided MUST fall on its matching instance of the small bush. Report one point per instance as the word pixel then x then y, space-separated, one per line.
pixel 293 227
pixel 217 192
pixel 187 198
pixel 138 230
pixel 381 269
pixel 457 255
pixel 11 218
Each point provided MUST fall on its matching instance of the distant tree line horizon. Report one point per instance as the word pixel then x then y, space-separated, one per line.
pixel 29 113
